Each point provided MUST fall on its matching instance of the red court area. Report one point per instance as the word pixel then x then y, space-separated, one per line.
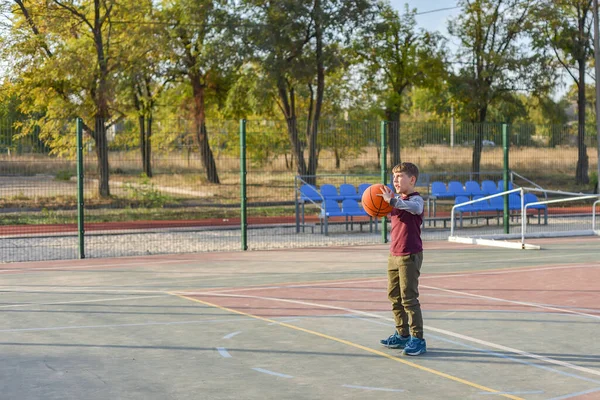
pixel 571 289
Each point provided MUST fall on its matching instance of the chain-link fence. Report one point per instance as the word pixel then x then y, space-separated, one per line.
pixel 175 186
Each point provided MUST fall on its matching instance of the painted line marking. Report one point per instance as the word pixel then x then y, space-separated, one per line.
pixel 525 392
pixel 80 301
pixel 490 352
pixel 285 320
pixel 266 371
pixel 506 270
pixel 357 312
pixel 58 328
pixel 571 395
pixel 355 345
pixel 223 352
pixel 76 267
pixel 232 334
pixel 522 303
pixel 380 389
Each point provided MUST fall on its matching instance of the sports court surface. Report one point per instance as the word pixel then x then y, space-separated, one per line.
pixel 303 324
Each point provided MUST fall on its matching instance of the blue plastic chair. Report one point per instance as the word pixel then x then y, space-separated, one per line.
pixel 483 205
pixel 310 193
pixel 330 192
pixel 514 201
pixel 438 189
pixel 497 203
pixel 532 198
pixel 330 208
pixel 501 186
pixel 456 189
pixel 467 207
pixel 362 187
pixel 351 208
pixel 473 189
pixel 489 188
pixel 348 191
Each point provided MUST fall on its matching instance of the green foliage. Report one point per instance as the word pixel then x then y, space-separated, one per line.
pixel 64 175
pixel 397 57
pixel 146 194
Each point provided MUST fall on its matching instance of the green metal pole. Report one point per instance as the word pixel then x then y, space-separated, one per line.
pixel 80 217
pixel 384 238
pixel 505 146
pixel 243 173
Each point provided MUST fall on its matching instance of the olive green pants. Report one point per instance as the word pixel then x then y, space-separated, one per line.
pixel 403 292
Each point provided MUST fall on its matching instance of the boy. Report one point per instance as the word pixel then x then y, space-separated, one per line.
pixel 404 262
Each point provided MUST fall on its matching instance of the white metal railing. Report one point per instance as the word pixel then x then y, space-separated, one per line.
pixel 479 200
pixel 594 214
pixel 524 209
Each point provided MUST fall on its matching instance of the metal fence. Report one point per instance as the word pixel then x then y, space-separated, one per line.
pixel 172 204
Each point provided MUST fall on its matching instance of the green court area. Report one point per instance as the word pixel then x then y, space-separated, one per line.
pixel 303 324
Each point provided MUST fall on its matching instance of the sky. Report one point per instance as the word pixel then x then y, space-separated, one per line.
pixel 431 21
pixel 437 20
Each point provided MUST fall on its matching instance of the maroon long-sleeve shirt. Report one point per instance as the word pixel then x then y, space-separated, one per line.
pixel 406 218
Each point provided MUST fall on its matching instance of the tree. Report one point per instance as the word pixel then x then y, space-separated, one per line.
pixel 493 60
pixel 65 58
pixel 296 44
pixel 398 57
pixel 564 28
pixel 200 51
pixel 145 78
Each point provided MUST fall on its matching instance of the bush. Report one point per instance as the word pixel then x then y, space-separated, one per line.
pixel 146 194
pixel 64 175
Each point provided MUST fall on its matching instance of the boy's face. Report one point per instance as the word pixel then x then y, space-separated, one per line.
pixel 404 184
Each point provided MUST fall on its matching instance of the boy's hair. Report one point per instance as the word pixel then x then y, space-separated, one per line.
pixel 409 169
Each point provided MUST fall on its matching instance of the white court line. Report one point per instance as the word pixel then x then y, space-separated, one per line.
pixel 372 388
pixel 493 353
pixel 266 371
pixel 522 303
pixel 60 328
pixel 443 331
pixel 223 352
pixel 515 393
pixel 82 289
pixel 571 395
pixel 75 267
pixel 232 334
pixel 371 280
pixel 79 301
pixel 509 271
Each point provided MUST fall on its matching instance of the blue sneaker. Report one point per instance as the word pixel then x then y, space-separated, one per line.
pixel 415 346
pixel 395 341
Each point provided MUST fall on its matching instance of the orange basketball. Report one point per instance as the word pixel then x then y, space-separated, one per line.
pixel 374 205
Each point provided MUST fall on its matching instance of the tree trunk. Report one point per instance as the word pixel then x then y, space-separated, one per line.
pixel 581 171
pixel 313 156
pixel 142 124
pixel 206 154
pixel 102 156
pixel 393 136
pixel 292 126
pixel 477 147
pixel 148 151
pixel 288 107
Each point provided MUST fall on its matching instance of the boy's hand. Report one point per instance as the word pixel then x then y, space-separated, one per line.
pixel 386 193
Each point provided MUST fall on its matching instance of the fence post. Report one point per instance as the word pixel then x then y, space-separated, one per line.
pixel 384 238
pixel 243 219
pixel 505 177
pixel 80 216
